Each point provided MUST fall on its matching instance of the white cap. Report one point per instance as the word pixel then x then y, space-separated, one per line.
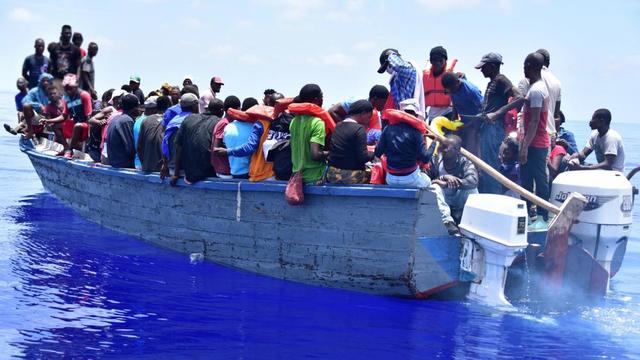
pixel 409 104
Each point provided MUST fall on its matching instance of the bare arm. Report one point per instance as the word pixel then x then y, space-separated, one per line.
pixel 530 133
pixel 337 113
pixel 516 102
pixel 176 165
pixel 317 154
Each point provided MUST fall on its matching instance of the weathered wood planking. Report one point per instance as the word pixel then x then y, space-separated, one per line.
pixel 374 239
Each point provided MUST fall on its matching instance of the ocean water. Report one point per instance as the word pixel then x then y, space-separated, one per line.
pixel 71 289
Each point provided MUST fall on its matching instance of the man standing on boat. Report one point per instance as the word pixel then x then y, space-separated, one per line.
pixel 35 65
pixel 435 97
pixel 86 72
pixel 467 100
pixel 606 142
pixel 134 83
pixel 65 57
pixel 214 88
pixel 534 147
pixel 500 97
pixel 120 146
pixel 404 82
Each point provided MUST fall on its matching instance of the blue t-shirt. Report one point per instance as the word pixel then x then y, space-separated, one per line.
pixel 136 134
pixel 237 134
pixel 18 98
pixel 467 100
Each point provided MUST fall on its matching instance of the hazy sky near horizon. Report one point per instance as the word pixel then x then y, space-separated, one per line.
pixel 284 44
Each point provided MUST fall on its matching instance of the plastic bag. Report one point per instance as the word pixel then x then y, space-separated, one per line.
pixel 294 193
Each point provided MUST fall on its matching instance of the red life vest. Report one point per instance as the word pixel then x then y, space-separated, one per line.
pixel 397 116
pixel 236 114
pixel 314 110
pixel 260 112
pixel 281 106
pixel 434 94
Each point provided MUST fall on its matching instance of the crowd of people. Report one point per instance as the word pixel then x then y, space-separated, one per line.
pixel 182 132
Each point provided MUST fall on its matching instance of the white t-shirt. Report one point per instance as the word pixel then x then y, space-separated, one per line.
pixel 609 144
pixel 554 89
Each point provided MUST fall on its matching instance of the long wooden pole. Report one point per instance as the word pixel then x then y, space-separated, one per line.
pixel 501 178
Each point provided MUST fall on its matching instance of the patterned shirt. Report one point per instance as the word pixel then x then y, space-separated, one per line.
pixel 403 81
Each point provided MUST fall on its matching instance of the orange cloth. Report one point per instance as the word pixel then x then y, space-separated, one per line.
pixel 259 168
pixel 398 116
pixel 314 110
pixel 236 114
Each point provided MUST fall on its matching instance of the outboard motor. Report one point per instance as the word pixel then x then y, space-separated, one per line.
pixel 605 224
pixel 495 227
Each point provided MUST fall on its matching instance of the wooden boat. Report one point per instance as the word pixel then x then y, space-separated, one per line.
pixel 376 239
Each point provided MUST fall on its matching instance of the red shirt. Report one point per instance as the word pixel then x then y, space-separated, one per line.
pixel 537 97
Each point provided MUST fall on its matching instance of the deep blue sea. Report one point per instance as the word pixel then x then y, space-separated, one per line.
pixel 71 289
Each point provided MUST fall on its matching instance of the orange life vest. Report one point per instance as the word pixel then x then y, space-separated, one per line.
pixel 314 110
pixel 434 94
pixel 374 121
pixel 260 112
pixel 239 115
pixel 259 168
pixel 397 116
pixel 281 106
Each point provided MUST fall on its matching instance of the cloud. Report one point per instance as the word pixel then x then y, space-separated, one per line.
pixel 103 41
pixel 333 59
pixel 193 23
pixel 364 45
pixel 220 52
pixel 21 14
pixel 244 24
pixel 296 9
pixel 250 59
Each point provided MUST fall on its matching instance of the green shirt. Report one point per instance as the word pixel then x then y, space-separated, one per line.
pixel 305 130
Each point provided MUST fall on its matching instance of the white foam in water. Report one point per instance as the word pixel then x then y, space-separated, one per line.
pixel 196 258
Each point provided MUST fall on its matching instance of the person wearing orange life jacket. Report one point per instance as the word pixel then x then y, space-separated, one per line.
pixel 402 143
pixel 435 96
pixel 378 98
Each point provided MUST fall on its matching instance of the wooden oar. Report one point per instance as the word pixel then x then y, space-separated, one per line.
pixel 501 178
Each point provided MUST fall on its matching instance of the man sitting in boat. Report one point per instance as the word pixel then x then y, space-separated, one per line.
pixel 121 149
pixel 21 84
pixel 219 160
pixel 188 105
pixel 79 109
pixel 402 144
pixel 149 146
pixel 193 141
pixel 606 142
pixel 308 135
pixel 454 174
pixel 349 152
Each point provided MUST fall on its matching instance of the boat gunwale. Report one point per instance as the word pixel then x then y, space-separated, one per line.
pixel 360 190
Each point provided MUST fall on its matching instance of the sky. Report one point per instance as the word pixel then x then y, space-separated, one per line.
pixel 283 44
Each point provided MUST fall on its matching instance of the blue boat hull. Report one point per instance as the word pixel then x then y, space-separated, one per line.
pixel 374 239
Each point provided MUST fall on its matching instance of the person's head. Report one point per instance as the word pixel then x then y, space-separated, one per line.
pixel 189 102
pixel 106 96
pixel 509 150
pixel 451 147
pixel 129 104
pixel 410 106
pixel 378 96
pixel 273 98
pixel 154 93
pixel 190 89
pixel 65 34
pixel 77 39
pixel 546 56
pixel 70 84
pixel 450 82
pixel 134 82
pixel 175 95
pixel 166 89
pixel 39 46
pixel 384 60
pixel 162 104
pixel 22 84
pixel 216 83
pixel 360 111
pixel 311 93
pixel 92 49
pixel 600 120
pixel 231 102
pixel 267 97
pixel 559 120
pixel 532 66
pixel 116 96
pixel 490 65
pixel 438 59
pixel 248 103
pixel 45 80
pixel 188 80
pixel 151 105
pixel 216 107
pixel 27 110
pixel 53 94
